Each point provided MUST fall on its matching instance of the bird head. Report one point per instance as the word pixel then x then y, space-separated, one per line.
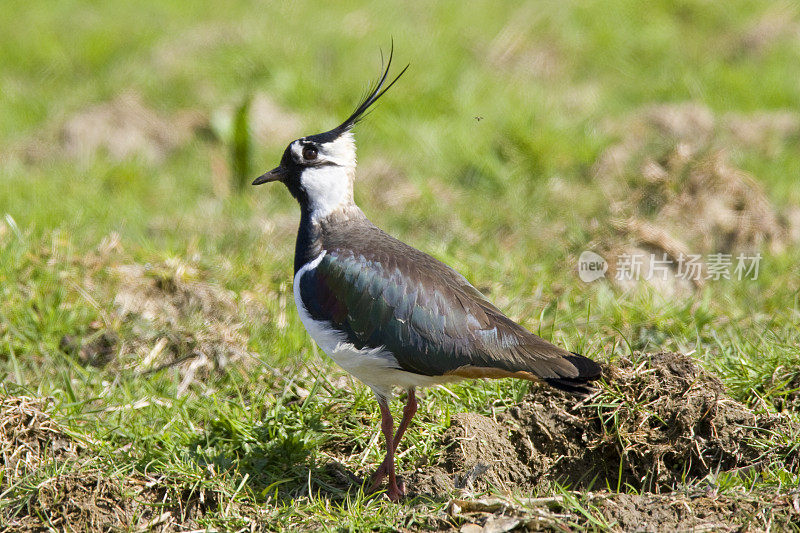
pixel 319 169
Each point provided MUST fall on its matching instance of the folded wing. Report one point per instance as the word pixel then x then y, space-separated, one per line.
pixel 430 318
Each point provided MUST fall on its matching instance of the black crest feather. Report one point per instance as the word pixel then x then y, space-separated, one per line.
pixel 372 96
pixel 376 92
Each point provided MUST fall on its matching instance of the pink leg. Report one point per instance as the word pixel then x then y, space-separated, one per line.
pixel 387 426
pixel 395 490
pixel 408 413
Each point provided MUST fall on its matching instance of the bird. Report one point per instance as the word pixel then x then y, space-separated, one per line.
pixel 393 316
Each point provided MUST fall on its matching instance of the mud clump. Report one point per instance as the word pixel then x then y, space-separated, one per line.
pixel 661 422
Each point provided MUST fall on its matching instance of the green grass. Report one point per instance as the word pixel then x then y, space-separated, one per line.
pixel 261 434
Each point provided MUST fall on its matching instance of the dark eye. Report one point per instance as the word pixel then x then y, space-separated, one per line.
pixel 309 153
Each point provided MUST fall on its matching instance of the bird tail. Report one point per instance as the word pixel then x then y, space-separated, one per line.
pixel 580 385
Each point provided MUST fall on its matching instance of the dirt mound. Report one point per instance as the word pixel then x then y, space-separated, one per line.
pixel 170 292
pixel 29 438
pixel 166 315
pixel 711 205
pixel 122 128
pixel 125 127
pixel 766 131
pixel 660 423
pixel 179 320
pixel 672 191
pixel 481 450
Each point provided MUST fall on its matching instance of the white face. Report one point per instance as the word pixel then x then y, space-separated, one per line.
pixel 328 180
pixel 341 152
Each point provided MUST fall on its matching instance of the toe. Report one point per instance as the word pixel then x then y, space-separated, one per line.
pixel 394 493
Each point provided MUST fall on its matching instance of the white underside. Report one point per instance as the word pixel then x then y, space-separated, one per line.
pixel 375 367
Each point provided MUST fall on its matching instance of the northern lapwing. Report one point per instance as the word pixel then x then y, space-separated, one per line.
pixel 389 314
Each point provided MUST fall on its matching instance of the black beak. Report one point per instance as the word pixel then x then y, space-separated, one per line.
pixel 276 174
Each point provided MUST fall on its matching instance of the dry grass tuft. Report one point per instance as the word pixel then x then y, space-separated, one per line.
pixel 90 500
pixel 29 438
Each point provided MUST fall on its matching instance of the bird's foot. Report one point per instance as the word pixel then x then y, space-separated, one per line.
pixel 395 491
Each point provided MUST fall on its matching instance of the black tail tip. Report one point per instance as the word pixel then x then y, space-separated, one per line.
pixel 587 368
pixel 580 385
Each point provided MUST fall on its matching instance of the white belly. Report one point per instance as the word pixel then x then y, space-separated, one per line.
pixel 375 367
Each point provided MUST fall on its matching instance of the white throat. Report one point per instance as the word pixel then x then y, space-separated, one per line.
pixel 329 188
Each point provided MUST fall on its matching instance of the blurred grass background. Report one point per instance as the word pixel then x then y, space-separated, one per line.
pixel 482 155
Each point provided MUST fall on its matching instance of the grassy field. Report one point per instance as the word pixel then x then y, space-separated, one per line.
pixel 156 374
